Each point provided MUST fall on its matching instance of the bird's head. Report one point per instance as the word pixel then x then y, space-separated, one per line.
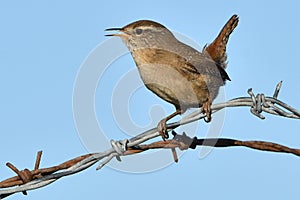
pixel 143 34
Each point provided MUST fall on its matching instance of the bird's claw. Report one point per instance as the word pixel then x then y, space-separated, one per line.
pixel 207 111
pixel 162 129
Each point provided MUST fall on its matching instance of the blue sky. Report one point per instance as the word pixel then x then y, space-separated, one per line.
pixel 43 44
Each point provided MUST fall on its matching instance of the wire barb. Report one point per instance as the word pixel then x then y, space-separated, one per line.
pixel 278 87
pixel 38 160
pixel 258 103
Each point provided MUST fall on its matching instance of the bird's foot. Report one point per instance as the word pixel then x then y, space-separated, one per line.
pixel 206 109
pixel 162 129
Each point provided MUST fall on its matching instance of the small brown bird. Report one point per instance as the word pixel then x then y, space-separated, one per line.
pixel 174 71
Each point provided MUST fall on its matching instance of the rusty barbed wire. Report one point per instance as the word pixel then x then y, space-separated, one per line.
pixel 29 180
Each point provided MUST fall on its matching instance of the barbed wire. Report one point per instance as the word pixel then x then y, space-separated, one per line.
pixel 32 179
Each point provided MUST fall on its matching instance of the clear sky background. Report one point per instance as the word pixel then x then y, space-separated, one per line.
pixel 44 43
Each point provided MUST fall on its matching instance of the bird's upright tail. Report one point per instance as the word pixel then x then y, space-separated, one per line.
pixel 217 49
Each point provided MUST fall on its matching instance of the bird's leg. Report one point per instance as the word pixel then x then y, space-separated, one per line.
pixel 162 125
pixel 206 109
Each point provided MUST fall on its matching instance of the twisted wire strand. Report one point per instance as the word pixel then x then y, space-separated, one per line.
pixel 257 104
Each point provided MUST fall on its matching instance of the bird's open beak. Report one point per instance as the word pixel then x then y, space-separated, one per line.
pixel 122 34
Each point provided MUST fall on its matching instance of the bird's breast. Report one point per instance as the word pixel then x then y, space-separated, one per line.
pixel 167 82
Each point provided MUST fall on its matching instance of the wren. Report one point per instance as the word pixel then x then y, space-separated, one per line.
pixel 174 71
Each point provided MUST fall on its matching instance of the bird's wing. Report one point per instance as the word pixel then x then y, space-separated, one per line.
pixel 207 66
pixel 198 65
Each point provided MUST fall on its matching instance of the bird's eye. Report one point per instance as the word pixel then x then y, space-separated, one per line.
pixel 138 31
